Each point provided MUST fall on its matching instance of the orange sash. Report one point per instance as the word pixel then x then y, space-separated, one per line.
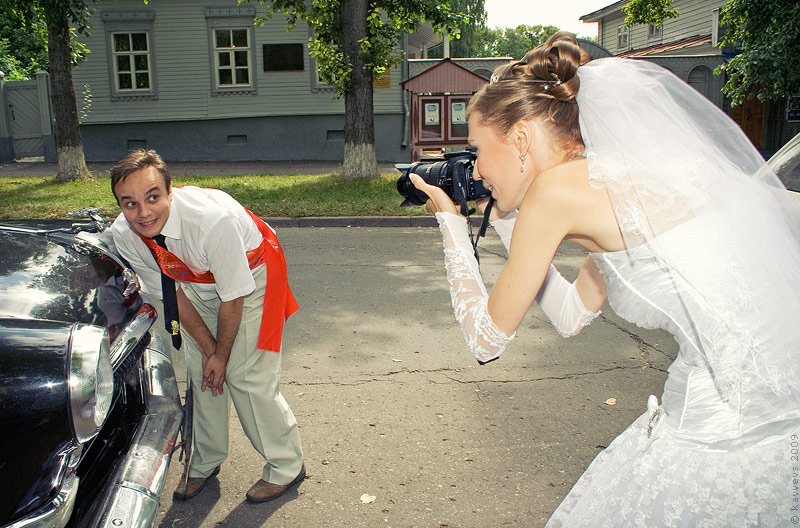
pixel 279 303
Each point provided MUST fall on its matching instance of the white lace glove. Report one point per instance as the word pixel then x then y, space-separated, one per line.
pixel 560 301
pixel 504 227
pixel 467 292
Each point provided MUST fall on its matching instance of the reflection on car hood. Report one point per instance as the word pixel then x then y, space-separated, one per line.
pixel 59 277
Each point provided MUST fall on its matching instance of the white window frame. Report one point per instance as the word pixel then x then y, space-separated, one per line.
pixel 317 84
pixel 623 37
pixel 232 53
pixel 231 20
pixel 129 23
pixel 131 54
pixel 654 32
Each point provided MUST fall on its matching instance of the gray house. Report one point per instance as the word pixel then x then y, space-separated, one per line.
pixel 688 46
pixel 198 81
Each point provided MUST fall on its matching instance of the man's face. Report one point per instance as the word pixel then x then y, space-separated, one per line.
pixel 145 201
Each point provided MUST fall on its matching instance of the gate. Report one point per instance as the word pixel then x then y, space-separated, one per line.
pixel 25 127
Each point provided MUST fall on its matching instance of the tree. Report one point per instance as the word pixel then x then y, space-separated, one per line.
pixel 768 34
pixel 510 42
pixel 23 43
pixel 466 45
pixel 354 42
pixel 648 12
pixel 57 16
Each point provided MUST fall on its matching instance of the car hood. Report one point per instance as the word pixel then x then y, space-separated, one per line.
pixel 59 277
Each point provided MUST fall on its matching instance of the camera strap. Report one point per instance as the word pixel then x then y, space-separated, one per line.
pixel 482 230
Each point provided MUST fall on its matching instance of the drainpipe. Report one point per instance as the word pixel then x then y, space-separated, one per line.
pixel 446 46
pixel 404 95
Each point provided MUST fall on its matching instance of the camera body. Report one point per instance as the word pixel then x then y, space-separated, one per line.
pixel 453 175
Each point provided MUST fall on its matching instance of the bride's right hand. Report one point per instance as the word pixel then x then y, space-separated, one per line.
pixel 438 201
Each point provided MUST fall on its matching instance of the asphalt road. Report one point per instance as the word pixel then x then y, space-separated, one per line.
pixel 392 405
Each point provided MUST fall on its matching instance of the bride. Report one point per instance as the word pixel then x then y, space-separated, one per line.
pixel 688 230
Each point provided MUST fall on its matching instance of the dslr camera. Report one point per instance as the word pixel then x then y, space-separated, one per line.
pixel 453 175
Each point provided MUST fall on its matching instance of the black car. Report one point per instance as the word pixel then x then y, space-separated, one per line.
pixel 89 403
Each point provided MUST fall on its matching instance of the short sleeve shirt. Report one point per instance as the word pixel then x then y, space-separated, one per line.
pixel 209 231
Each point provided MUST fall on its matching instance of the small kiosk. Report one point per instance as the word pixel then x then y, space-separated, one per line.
pixel 439 98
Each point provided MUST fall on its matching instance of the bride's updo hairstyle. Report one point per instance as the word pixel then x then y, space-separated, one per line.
pixel 542 85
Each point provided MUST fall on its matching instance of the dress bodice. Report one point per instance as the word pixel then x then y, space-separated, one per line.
pixel 722 389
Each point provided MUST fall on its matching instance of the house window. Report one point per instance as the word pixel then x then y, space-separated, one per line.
pixel 653 32
pixel 623 34
pixel 232 57
pixel 232 50
pixel 131 62
pixel 318 84
pixel 131 54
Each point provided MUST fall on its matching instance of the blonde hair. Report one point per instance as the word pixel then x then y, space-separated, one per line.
pixel 542 85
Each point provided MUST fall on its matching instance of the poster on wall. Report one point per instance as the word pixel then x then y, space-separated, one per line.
pixel 431 113
pixel 458 113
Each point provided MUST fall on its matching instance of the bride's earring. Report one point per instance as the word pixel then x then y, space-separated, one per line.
pixel 522 162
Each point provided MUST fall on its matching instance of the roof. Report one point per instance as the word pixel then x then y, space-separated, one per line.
pixel 446 76
pixel 697 45
pixel 595 16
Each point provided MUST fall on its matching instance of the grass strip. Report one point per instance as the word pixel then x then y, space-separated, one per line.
pixel 292 196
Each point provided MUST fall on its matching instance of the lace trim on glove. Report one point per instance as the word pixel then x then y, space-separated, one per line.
pixel 468 293
pixel 585 320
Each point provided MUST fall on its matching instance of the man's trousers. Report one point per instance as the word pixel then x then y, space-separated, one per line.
pixel 252 381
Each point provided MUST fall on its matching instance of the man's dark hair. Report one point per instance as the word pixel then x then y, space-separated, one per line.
pixel 138 160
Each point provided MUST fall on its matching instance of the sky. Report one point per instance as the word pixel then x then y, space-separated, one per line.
pixel 564 14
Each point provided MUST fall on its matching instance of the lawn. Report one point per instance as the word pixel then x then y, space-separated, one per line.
pixel 291 196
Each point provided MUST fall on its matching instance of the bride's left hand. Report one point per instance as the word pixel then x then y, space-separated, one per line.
pixel 438 201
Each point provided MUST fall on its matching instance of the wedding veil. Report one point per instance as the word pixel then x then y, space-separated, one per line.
pixel 670 159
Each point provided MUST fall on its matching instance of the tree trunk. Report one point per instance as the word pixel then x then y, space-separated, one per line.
pixel 359 127
pixel 69 146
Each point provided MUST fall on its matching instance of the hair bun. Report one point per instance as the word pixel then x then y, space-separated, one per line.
pixel 557 60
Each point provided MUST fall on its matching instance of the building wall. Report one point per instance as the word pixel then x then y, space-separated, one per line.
pixel 695 18
pixel 277 138
pixel 184 110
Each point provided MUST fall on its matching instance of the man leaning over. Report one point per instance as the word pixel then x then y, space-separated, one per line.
pixel 232 298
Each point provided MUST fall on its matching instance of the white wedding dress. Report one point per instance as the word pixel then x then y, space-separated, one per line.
pixel 719 449
pixel 713 258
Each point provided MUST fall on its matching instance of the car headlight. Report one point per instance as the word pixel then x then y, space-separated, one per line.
pixel 91 380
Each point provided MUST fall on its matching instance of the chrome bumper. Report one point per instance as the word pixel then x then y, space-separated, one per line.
pixel 134 500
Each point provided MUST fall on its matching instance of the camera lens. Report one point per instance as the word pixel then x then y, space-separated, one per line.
pixel 431 173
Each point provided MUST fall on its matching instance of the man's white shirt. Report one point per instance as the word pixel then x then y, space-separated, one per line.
pixel 209 231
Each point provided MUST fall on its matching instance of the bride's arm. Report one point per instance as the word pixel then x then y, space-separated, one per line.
pixel 490 321
pixel 565 303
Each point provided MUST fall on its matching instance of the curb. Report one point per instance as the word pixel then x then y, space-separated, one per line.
pixel 352 221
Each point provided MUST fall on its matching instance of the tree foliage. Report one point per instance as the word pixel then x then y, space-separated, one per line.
pixel 509 42
pixel 768 34
pixel 23 42
pixel 23 38
pixel 466 45
pixel 648 12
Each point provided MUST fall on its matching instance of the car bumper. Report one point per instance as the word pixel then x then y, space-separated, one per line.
pixel 134 497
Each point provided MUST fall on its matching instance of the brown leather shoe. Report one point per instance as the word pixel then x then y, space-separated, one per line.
pixel 193 486
pixel 263 491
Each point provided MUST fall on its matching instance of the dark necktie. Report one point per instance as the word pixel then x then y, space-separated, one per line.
pixel 170 298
